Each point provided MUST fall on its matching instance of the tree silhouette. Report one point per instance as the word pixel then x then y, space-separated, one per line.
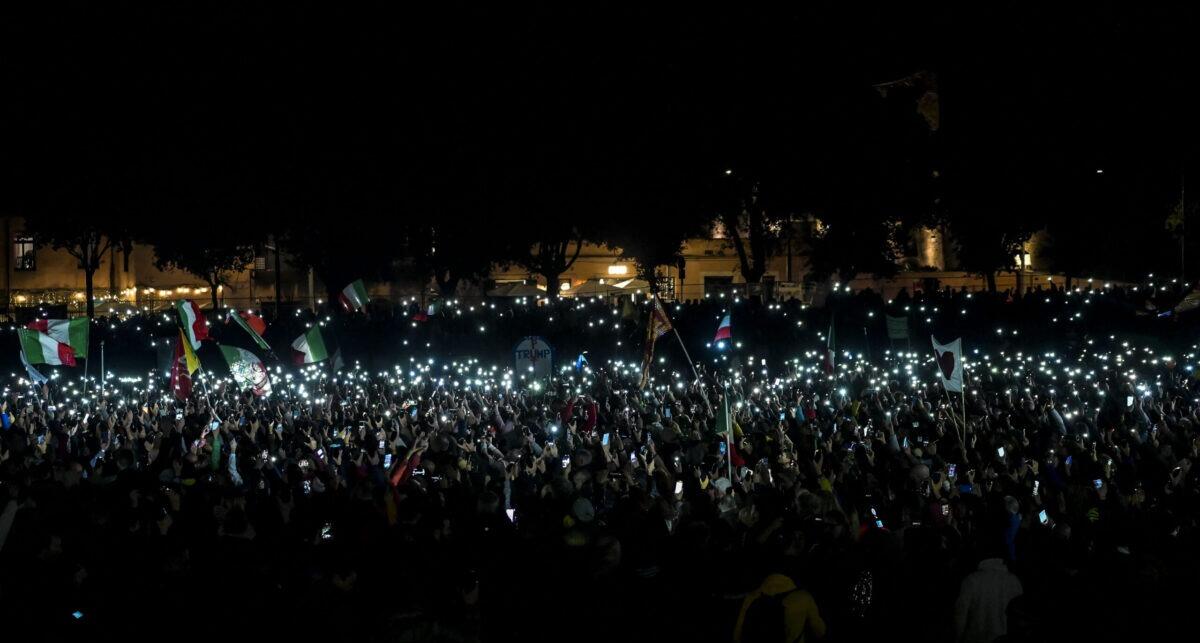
pixel 85 238
pixel 211 256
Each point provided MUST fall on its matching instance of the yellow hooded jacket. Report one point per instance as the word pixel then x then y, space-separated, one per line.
pixel 800 612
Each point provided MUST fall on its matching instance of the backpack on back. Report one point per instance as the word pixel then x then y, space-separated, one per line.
pixel 765 621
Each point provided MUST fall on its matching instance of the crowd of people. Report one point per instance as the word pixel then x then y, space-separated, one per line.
pixel 755 499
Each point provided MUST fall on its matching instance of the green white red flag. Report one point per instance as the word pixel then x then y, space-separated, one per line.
pixel 309 348
pixel 72 332
pixel 40 348
pixel 354 297
pixel 195 327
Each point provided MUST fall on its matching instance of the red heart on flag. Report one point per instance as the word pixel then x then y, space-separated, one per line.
pixel 946 363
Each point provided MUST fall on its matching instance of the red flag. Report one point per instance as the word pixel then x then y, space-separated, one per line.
pixel 255 321
pixel 181 381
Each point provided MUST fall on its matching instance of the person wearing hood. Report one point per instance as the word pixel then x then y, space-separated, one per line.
pixel 801 618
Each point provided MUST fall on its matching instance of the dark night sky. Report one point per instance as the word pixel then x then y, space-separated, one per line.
pixel 235 108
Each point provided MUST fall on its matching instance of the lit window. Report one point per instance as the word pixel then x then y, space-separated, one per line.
pixel 618 269
pixel 25 254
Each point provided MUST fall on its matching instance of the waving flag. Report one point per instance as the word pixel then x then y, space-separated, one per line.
pixel 949 361
pixel 657 326
pixel 253 325
pixel 354 297
pixel 195 328
pixel 309 348
pixel 34 374
pixel 72 332
pixel 189 356
pixel 725 330
pixel 40 348
pixel 247 370
pixel 660 324
pixel 181 377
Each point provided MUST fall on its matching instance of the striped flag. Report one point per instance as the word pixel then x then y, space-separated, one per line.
pixel 725 330
pixel 40 348
pixel 309 348
pixel 354 297
pixel 72 332
pixel 189 356
pixel 253 325
pixel 195 328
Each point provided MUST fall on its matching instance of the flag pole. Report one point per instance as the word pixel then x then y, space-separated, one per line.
pixel 685 352
pixel 728 434
pixel 657 305
pixel 958 433
pixel 204 382
pixel 964 396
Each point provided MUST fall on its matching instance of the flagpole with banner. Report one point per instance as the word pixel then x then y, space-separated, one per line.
pixel 948 360
pixel 656 326
pixel 659 307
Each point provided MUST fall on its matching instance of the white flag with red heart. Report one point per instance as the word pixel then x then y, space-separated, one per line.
pixel 949 361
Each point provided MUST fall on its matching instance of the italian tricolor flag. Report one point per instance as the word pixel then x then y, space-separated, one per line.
pixel 72 332
pixel 40 348
pixel 309 348
pixel 195 328
pixel 354 297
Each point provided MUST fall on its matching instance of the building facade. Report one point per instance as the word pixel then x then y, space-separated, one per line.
pixel 36 276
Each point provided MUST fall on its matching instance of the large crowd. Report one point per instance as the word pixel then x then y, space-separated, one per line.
pixel 454 500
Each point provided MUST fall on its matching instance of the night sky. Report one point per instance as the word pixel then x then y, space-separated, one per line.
pixel 222 112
